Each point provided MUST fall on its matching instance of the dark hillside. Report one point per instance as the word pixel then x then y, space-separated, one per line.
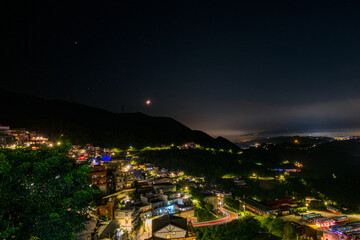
pixel 82 124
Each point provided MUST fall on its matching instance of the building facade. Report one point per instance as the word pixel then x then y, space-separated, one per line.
pixel 172 227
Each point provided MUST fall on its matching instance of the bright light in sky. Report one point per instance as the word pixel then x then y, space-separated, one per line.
pixel 148 102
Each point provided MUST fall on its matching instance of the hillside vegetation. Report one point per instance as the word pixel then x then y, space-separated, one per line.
pixel 82 124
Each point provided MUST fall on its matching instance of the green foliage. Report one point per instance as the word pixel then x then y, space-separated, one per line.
pixel 289 231
pixel 264 222
pixel 233 203
pixel 192 162
pixel 183 184
pixel 320 162
pixel 298 210
pixel 240 229
pixel 202 209
pixel 196 194
pixel 271 225
pixel 209 207
pixel 276 227
pixel 44 194
pixel 232 209
pixel 245 228
pixel 203 214
pixel 267 190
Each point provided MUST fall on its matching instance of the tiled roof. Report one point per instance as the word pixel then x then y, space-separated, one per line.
pixel 167 219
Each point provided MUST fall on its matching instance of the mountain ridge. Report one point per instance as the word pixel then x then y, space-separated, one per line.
pixel 83 124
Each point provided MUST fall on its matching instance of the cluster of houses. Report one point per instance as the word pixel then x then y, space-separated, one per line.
pixel 132 199
pixel 12 138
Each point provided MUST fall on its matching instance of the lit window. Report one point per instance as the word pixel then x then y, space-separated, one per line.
pixel 168 236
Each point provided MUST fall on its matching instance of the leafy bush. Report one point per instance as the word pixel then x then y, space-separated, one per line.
pixel 240 229
pixel 44 194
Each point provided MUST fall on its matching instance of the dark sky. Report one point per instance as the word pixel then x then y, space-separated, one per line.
pixel 225 67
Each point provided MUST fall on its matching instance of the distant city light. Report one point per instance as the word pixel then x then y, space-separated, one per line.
pixel 58 143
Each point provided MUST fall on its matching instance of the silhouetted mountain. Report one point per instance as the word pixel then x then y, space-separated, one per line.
pixel 82 124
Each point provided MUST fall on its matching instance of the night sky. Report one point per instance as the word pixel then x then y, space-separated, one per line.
pixel 225 67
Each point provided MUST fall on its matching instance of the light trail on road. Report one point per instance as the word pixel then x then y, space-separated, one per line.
pixel 229 217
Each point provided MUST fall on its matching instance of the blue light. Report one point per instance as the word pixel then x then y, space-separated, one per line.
pixel 95 162
pixel 106 158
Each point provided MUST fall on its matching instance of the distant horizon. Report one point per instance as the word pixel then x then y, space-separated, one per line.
pixel 235 136
pixel 290 133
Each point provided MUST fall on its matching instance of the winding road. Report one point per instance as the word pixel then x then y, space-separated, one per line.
pixel 229 216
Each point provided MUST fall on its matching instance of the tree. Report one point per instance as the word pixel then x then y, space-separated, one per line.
pixel 239 229
pixel 44 194
pixel 209 207
pixel 276 227
pixel 289 231
pixel 264 222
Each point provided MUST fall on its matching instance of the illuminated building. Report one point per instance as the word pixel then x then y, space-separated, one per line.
pixel 172 227
pixel 257 207
pixel 106 210
pixel 99 177
pixel 282 205
pixel 128 218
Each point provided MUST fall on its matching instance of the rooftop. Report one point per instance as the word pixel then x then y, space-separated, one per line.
pixel 257 205
pixel 163 184
pixel 107 229
pixel 167 219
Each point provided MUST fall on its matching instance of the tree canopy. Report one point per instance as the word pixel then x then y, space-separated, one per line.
pixel 44 194
pixel 193 161
pixel 240 229
pixel 289 231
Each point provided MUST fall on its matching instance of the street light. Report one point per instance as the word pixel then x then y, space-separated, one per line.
pixel 244 207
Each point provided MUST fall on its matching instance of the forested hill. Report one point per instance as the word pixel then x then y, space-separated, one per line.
pixel 82 124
